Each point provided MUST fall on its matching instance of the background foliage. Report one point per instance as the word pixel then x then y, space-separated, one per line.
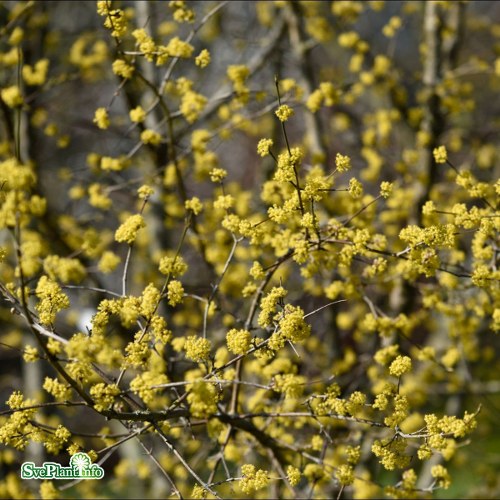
pixel 250 249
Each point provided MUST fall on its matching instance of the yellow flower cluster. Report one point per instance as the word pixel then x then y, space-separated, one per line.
pixel 98 198
pixel 442 476
pixel 284 112
pixel 202 398
pixel 36 75
pixel 175 293
pixel 440 154
pixel 238 341
pixel 287 162
pixel 291 385
pixel 264 146
pixel 130 307
pixel 355 188
pixel 48 491
pixel 122 68
pixel 61 392
pixel 178 48
pixel 173 266
pixel 326 94
pixel 400 366
pixel 386 354
pixel 218 175
pixel 253 479
pixel 342 162
pixel 137 352
pixel 52 300
pixel 103 395
pixel 192 105
pixel 145 192
pixel 392 453
pixel 116 19
pixel 149 301
pixel 238 75
pixel 143 385
pixel 314 472
pixel 197 348
pixel 458 427
pixel 16 36
pixel 88 58
pixel 391 28
pixel 116 164
pixel 386 189
pixel 149 136
pixel 101 118
pixel 12 96
pixel 344 474
pixel 292 325
pixel 145 43
pixel 194 204
pixel 30 354
pixel 14 432
pixel 137 115
pixel 433 236
pixel 202 59
pixel 224 202
pixel 127 232
pixel 182 14
pixel 64 269
pixel 268 305
pixel 293 475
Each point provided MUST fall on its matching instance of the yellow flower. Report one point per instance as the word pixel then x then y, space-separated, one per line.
pixel 217 174
pixel 16 37
pixel 48 491
pixel 192 104
pixel 343 163
pixel 264 146
pixel 182 14
pixel 203 59
pixel 175 292
pixel 178 48
pixel 137 115
pixel 345 474
pixel 194 204
pixel 440 473
pixel 12 96
pixel 30 354
pixel 238 73
pixel 98 198
pixel 400 366
pixel 238 341
pixel 253 479
pixel 122 68
pixel 284 112
pixel 197 348
pixel 440 154
pixel 127 232
pixel 174 266
pixel 52 300
pixel 355 188
pixel 108 262
pixel 149 136
pixel 36 75
pixel 101 118
pixel 386 189
pixel 293 475
pixel 145 191
pixel 116 164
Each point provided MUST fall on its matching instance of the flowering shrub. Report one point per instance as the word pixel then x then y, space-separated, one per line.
pixel 226 283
